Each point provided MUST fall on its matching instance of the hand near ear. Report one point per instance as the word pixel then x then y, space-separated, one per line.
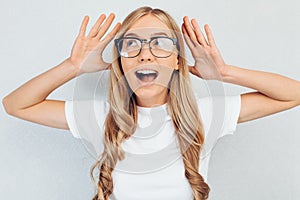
pixel 209 64
pixel 87 50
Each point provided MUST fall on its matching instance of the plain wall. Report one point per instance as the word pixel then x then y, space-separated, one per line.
pixel 260 161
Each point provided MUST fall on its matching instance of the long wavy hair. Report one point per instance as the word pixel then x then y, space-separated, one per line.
pixel 121 121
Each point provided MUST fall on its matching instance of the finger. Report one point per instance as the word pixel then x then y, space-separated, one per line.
pixel 83 26
pixel 96 26
pixel 111 35
pixel 199 33
pixel 187 38
pixel 105 26
pixel 190 30
pixel 209 34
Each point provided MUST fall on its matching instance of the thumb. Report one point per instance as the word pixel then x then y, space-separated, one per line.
pixel 194 71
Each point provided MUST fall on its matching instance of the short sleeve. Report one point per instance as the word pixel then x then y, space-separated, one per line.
pixel 84 118
pixel 69 113
pixel 232 112
pixel 219 116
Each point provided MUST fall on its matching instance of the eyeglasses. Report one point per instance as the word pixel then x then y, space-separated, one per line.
pixel 160 46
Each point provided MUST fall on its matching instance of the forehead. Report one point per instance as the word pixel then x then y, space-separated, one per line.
pixel 148 25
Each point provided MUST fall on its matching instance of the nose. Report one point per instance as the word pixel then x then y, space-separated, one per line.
pixel 145 54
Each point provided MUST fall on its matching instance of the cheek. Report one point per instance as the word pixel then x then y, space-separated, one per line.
pixel 127 64
pixel 171 62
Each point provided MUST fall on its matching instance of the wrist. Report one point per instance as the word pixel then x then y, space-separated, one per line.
pixel 226 73
pixel 70 64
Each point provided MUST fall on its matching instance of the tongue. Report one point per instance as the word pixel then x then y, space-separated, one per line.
pixel 147 78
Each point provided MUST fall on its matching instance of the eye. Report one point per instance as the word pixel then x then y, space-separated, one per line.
pixel 162 43
pixel 157 42
pixel 131 43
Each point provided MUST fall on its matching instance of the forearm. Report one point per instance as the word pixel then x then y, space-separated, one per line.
pixel 37 89
pixel 272 85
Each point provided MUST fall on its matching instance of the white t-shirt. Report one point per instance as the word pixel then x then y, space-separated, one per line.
pixel 153 167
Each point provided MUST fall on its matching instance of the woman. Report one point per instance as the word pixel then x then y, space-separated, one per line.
pixel 149 74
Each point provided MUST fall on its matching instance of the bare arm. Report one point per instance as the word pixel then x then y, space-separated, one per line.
pixel 29 101
pixel 274 93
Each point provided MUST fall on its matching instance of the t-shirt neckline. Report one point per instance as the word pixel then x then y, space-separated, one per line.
pixel 142 109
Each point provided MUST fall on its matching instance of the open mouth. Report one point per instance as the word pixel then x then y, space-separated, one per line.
pixel 146 75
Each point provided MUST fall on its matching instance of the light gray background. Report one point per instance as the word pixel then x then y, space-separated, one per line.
pixel 260 161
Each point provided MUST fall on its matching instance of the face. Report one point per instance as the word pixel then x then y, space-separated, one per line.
pixel 148 75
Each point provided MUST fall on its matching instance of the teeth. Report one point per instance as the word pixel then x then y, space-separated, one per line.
pixel 146 71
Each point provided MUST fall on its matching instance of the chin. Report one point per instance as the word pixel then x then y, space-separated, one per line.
pixel 151 92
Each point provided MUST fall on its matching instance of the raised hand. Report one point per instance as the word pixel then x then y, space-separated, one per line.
pixel 87 51
pixel 209 64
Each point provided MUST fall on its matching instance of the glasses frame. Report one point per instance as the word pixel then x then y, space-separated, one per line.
pixel 117 43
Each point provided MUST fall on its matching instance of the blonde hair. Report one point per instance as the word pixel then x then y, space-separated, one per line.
pixel 121 120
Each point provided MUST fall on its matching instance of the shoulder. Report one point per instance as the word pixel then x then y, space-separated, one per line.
pixel 222 103
pixel 85 106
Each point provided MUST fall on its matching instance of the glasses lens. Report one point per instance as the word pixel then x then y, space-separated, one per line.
pixel 129 47
pixel 162 47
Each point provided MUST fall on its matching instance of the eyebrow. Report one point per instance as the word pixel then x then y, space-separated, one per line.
pixel 154 34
